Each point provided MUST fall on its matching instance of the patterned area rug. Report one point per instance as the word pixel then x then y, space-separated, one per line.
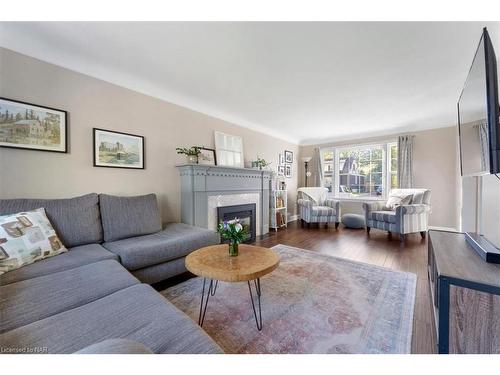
pixel 312 303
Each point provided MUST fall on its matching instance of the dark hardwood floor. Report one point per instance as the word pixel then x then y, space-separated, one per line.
pixel 377 248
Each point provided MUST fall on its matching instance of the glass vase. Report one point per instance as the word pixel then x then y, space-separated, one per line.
pixel 192 159
pixel 233 249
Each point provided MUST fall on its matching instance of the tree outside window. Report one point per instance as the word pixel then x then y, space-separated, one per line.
pixel 360 171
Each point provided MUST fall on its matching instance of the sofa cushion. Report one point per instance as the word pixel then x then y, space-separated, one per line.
pixel 323 211
pixel 385 216
pixel 124 217
pixel 116 346
pixel 76 220
pixel 27 237
pixel 175 241
pixel 137 313
pixel 30 300
pixel 75 257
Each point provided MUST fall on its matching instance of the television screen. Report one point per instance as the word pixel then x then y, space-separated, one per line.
pixel 478 114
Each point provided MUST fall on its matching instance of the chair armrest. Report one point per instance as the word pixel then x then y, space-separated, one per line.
pixel 411 209
pixel 305 203
pixel 335 205
pixel 373 206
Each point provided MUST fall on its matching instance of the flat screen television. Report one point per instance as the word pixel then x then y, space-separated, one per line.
pixel 478 114
pixel 479 129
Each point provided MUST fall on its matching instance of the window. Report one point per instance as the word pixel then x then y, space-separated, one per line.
pixel 360 171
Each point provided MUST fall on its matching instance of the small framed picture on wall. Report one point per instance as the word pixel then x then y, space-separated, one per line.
pixel 281 160
pixel 118 150
pixel 288 156
pixel 281 169
pixel 288 171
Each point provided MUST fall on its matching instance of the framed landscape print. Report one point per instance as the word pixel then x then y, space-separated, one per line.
pixel 207 156
pixel 32 127
pixel 118 150
pixel 288 156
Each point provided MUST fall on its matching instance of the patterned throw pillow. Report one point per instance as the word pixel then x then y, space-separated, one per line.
pixel 398 200
pixel 26 237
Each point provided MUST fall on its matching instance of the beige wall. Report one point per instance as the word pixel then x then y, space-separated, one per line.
pixel 94 103
pixel 434 166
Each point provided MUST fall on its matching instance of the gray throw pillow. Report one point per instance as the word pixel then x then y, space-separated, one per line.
pixel 124 217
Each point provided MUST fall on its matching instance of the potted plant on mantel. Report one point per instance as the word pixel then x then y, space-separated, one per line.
pixel 191 153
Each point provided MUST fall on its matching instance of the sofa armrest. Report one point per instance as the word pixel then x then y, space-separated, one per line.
pixel 373 206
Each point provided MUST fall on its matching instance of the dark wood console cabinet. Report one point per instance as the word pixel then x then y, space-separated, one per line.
pixel 465 295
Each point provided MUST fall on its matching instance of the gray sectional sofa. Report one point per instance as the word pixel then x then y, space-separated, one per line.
pixel 93 298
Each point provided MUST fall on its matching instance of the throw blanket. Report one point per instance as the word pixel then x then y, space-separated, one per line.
pixel 317 194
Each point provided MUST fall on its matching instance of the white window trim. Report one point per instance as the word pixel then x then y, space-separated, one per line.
pixel 386 165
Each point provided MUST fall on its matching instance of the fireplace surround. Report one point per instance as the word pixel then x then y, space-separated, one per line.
pixel 205 188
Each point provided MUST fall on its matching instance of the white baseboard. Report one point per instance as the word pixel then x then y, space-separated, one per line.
pixel 292 218
pixel 448 229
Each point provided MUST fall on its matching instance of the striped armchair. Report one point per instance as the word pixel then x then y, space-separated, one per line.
pixel 315 207
pixel 410 218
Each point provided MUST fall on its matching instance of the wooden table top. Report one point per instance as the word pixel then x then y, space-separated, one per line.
pixel 214 262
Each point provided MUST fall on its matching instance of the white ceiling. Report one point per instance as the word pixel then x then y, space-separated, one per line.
pixel 307 82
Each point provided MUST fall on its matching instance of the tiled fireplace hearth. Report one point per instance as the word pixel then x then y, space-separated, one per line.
pixel 205 188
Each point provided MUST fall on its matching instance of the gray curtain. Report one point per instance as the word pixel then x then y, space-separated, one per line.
pixel 318 172
pixel 405 161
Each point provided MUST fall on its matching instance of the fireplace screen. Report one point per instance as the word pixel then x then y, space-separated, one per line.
pixel 244 212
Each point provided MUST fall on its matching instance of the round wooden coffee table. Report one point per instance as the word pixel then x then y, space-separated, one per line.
pixel 215 264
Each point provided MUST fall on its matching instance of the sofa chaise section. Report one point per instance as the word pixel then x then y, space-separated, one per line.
pixel 132 231
pixel 137 313
pixel 175 241
pixel 34 299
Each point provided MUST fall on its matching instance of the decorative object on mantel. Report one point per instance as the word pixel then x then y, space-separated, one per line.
pixel 306 160
pixel 192 153
pixel 233 231
pixel 288 157
pixel 207 156
pixel 229 149
pixel 260 163
pixel 278 211
pixel 118 150
pixel 32 127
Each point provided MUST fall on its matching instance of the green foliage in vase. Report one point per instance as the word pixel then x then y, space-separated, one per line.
pixel 233 231
pixel 193 151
